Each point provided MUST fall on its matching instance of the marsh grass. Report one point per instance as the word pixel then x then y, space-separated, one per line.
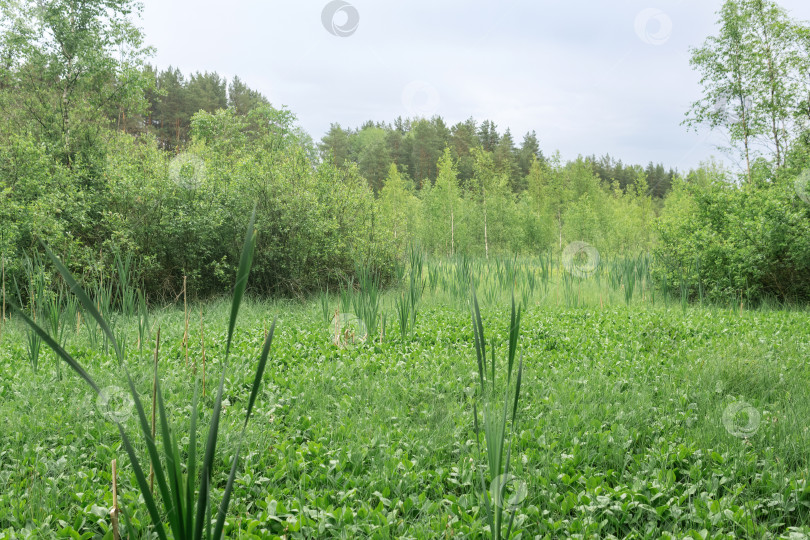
pixel 36 298
pixel 2 291
pixel 178 483
pixel 618 431
pixel 323 299
pixel 619 425
pixel 366 301
pixel 498 424
pixel 543 280
pixel 407 303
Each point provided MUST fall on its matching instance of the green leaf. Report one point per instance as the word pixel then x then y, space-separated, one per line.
pixel 260 369
pixel 62 353
pixel 149 500
pixel 241 277
pixel 85 301
pixel 154 457
pixel 203 502
pixel 192 460
pixel 226 496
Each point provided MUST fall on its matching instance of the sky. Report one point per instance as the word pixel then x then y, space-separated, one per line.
pixel 590 77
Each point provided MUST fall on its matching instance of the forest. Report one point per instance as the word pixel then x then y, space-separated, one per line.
pixel 103 152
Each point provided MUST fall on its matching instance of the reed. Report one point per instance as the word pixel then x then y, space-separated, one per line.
pixel 404 316
pixel 684 288
pixel 3 299
pixel 323 299
pixel 497 401
pixel 346 294
pixel 366 303
pixel 35 296
pixel 407 303
pixel 144 329
pixel 154 408
pixel 114 511
pixel 628 278
pixel 178 483
pixel 127 293
pixel 185 320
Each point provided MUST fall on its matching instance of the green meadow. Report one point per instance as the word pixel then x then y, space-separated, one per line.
pixel 638 415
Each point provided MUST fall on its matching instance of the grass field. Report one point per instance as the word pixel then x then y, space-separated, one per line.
pixel 638 416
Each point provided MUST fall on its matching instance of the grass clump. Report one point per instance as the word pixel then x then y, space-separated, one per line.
pixel 179 483
pixel 498 425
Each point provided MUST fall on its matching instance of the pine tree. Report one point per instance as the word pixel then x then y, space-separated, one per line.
pixel 244 99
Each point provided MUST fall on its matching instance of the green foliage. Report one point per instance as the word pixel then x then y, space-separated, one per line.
pixel 366 302
pixel 178 214
pixel 499 425
pixel 754 78
pixel 177 98
pixel 621 413
pixel 733 241
pixel 442 213
pixel 317 221
pixel 398 210
pixel 407 304
pixel 373 157
pixel 140 179
pixel 69 64
pixel 416 146
pixel 178 483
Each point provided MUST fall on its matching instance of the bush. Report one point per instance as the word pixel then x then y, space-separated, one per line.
pixel 729 241
pixel 182 215
pixel 43 200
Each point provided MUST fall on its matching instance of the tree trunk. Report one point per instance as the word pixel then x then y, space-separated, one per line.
pixel 744 120
pixel 66 120
pixel 452 234
pixel 772 89
pixel 747 151
pixel 772 86
pixel 486 239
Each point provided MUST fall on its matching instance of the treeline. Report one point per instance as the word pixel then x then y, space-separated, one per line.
pixel 100 152
pixel 172 99
pixel 415 146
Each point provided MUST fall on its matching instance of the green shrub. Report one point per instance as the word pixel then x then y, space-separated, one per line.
pixel 728 241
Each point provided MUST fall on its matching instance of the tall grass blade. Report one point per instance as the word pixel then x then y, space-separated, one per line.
pixel 85 301
pixel 173 468
pixel 514 332
pixel 177 490
pixel 143 484
pixel 192 460
pixel 210 445
pixel 517 390
pixel 62 353
pixel 478 334
pixel 151 448
pixel 481 472
pixel 260 370
pixel 208 458
pixel 496 414
pixel 241 277
pixel 226 496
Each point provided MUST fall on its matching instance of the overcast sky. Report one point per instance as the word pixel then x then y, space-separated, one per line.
pixel 589 77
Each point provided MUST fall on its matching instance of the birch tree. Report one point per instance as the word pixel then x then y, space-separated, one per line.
pixel 753 74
